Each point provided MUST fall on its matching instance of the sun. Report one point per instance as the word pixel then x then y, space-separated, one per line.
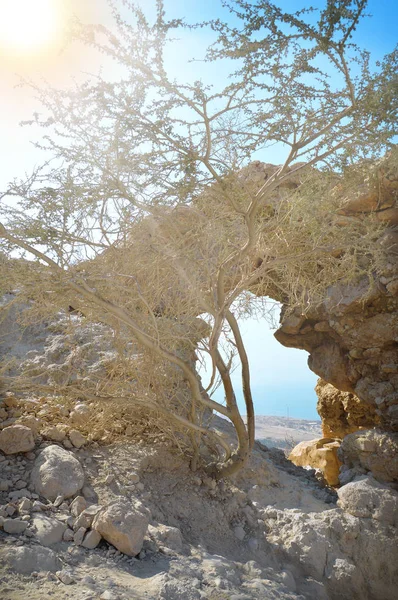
pixel 28 26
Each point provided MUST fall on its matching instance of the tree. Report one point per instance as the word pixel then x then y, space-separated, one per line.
pixel 148 216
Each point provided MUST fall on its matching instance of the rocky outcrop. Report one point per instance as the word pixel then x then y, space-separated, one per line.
pixel 371 451
pixel 343 412
pixel 352 336
pixel 347 552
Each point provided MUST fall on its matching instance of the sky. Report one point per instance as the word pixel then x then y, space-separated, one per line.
pixel 281 381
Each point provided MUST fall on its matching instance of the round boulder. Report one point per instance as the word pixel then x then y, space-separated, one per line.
pixel 57 473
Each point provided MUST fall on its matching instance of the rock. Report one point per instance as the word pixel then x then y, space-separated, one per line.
pixel 373 451
pixel 91 540
pixel 80 415
pixel 108 595
pixel 65 577
pixel 68 535
pixel 86 517
pixel 30 421
pixel 164 535
pixel 57 472
pixel 342 412
pixel 20 484
pixel 25 505
pixel 90 494
pixel 319 454
pixel 329 362
pixel 123 525
pixel 14 526
pixel 49 531
pixel 239 533
pixel 366 497
pixel 16 438
pixel 316 543
pixel 53 433
pixel 58 501
pixel 27 559
pixel 77 439
pixel 17 494
pixel 79 535
pixel 77 506
pixel 4 485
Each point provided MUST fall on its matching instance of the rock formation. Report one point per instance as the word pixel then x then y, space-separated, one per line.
pixel 352 336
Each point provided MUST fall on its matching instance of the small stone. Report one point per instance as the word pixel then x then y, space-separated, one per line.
pixel 20 484
pixel 68 535
pixel 4 485
pixel 14 526
pixel 10 510
pixel 79 535
pixel 38 506
pixel 65 577
pixel 109 479
pixel 92 539
pixel 25 505
pixel 67 444
pixel 107 595
pixel 78 505
pixel 18 494
pixel 54 434
pixel 58 501
pixel 70 522
pixel 77 439
pixel 239 532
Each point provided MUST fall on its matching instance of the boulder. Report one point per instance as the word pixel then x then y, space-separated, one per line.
pixel 319 454
pixel 49 531
pixel 57 472
pixel 124 525
pixel 16 438
pixel 366 497
pixel 26 559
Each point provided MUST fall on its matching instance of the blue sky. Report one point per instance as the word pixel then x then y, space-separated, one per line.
pixel 282 383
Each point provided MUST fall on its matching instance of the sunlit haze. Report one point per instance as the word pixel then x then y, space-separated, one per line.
pixel 28 26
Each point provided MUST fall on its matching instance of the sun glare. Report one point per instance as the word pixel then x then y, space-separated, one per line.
pixel 28 26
